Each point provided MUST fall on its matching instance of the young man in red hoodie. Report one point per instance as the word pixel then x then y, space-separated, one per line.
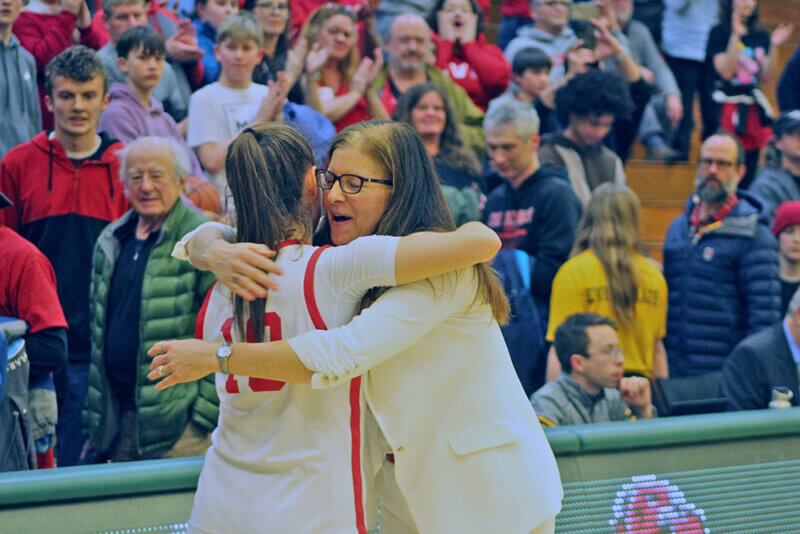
pixel 65 188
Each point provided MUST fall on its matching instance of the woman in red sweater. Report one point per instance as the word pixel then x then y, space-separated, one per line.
pixel 337 80
pixel 45 28
pixel 463 53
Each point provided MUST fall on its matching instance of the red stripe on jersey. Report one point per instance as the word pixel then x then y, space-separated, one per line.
pixel 355 396
pixel 201 315
pixel 308 290
pixel 290 242
pixel 355 452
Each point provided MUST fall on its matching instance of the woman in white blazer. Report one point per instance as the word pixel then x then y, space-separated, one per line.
pixel 453 444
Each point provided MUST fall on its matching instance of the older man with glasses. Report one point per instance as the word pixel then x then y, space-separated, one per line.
pixel 591 388
pixel 720 263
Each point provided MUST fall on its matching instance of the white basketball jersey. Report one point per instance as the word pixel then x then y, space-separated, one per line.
pixel 286 458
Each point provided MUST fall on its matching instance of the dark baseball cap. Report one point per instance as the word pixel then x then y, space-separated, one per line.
pixel 787 122
pixel 4 201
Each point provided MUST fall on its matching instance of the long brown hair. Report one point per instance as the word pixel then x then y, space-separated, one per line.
pixel 417 202
pixel 610 228
pixel 266 167
pixel 313 27
pixel 452 149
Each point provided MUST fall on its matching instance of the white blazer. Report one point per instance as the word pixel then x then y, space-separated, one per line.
pixel 470 454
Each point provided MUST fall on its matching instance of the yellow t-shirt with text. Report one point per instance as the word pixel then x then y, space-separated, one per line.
pixel 581 286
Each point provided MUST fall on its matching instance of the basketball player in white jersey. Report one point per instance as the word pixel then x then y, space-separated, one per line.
pixel 285 457
pixel 457 446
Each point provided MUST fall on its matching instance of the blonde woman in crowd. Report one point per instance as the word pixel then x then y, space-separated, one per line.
pixel 608 275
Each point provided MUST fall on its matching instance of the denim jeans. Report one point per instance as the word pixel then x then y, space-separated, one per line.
pixel 71 386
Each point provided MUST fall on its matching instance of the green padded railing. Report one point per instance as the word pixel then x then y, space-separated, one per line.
pixel 736 472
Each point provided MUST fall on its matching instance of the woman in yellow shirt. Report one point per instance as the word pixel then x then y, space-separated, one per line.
pixel 607 274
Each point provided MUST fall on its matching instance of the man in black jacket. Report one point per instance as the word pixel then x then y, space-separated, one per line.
pixel 763 363
pixel 534 208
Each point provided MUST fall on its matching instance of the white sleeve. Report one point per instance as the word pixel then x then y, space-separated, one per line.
pixel 349 271
pixel 325 93
pixel 397 320
pixel 206 125
pixel 180 250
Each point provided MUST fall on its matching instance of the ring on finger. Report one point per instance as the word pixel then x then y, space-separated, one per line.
pixel 162 370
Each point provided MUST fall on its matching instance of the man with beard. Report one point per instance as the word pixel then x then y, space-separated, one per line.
pixel 720 263
pixel 408 44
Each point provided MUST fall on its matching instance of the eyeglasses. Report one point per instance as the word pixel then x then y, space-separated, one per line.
pixel 266 6
pixel 350 183
pixel 608 351
pixel 722 164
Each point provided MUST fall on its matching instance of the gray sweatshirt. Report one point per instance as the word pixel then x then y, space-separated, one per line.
pixel 19 96
pixel 774 187
pixel 555 46
pixel 685 27
pixel 645 52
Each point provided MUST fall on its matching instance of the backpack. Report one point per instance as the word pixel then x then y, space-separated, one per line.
pixel 16 443
pixel 524 334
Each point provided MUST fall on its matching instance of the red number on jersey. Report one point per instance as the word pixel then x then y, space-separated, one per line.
pixel 271 321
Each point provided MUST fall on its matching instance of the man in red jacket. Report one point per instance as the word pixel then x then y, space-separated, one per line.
pixel 28 292
pixel 65 188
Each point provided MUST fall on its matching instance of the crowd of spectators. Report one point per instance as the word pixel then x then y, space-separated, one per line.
pixel 119 115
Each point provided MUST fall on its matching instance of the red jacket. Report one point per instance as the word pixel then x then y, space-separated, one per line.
pixel 62 210
pixel 28 284
pixel 46 36
pixel 479 67
pixel 516 8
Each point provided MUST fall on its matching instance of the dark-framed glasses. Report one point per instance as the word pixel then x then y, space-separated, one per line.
pixel 350 183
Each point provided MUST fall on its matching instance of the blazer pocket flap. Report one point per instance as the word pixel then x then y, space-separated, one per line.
pixel 482 437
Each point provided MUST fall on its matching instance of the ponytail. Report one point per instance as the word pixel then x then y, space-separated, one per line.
pixel 265 168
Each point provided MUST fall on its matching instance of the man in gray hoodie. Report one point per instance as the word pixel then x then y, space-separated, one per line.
pixel 550 32
pixel 19 99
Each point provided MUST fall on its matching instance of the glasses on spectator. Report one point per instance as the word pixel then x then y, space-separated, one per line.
pixel 555 3
pixel 722 164
pixel 608 352
pixel 266 6
pixel 137 179
pixel 350 183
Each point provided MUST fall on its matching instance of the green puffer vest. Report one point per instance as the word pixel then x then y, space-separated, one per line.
pixel 172 293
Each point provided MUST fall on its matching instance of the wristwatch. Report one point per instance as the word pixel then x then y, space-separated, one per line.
pixel 223 353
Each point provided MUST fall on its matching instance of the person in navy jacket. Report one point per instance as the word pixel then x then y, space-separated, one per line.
pixel 721 265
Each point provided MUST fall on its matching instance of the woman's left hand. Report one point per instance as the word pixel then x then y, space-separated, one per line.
pixel 181 361
pixel 782 33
